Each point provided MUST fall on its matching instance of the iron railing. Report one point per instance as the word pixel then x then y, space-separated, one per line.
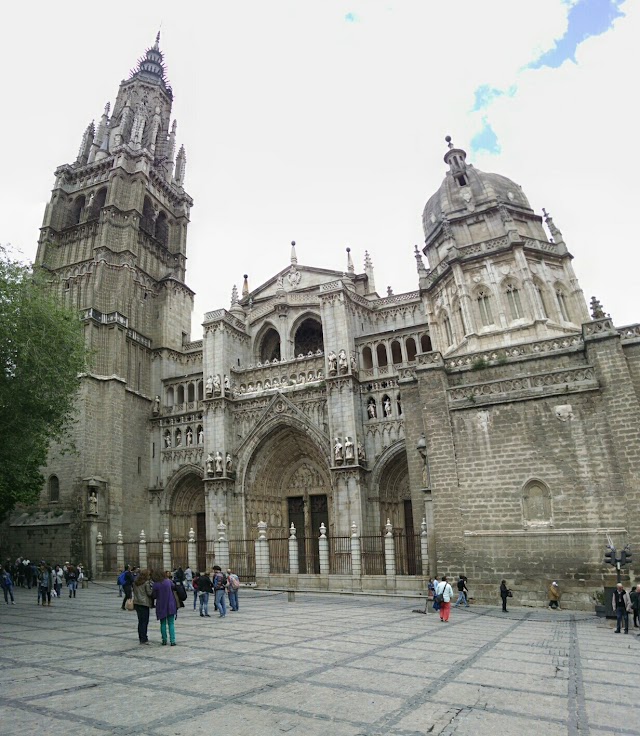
pixel 110 556
pixel 408 553
pixel 279 555
pixel 340 555
pixel 372 555
pixel 154 555
pixel 179 554
pixel 242 559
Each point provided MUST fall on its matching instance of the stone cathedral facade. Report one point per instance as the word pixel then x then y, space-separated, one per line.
pixel 488 402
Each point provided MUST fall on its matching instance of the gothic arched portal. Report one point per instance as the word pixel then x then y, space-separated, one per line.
pixel 287 481
pixel 187 511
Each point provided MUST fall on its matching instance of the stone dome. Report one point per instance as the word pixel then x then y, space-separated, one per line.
pixel 467 190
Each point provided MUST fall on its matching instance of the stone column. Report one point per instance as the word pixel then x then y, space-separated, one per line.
pixel 389 551
pixel 192 553
pixel 166 551
pixel 262 552
pixel 222 547
pixel 99 554
pixel 424 548
pixel 142 551
pixel 323 550
pixel 294 566
pixel 356 553
pixel 119 553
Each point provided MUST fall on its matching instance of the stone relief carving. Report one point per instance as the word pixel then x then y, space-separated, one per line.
pixel 564 412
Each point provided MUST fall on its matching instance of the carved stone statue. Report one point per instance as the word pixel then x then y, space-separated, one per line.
pixel 387 407
pixel 342 361
pixel 333 363
pixel 167 439
pixel 372 410
pixel 178 438
pixel 216 384
pixel 361 453
pixel 156 406
pixel 201 436
pixel 354 364
pixel 337 450
pixel 209 464
pixel 209 386
pixel 218 463
pixel 227 384
pixel 348 450
pixel 229 463
pixel 92 503
pixel 280 283
pixel 189 436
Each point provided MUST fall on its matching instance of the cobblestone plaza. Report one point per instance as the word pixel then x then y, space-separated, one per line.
pixel 324 664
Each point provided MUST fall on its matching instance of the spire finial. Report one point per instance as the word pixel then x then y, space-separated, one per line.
pixel 158 38
pixel 555 232
pixel 350 267
pixel 448 140
pixel 234 295
pixel 422 271
pixel 294 257
pixel 597 312
pixel 245 285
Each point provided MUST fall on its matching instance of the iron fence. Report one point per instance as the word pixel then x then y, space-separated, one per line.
pixel 242 559
pixel 154 555
pixel 340 555
pixel 308 556
pixel 279 555
pixel 110 556
pixel 372 554
pixel 408 553
pixel 131 554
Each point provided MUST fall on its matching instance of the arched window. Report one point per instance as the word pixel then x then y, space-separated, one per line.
pixel 536 504
pixel 54 489
pixel 448 334
pixel 484 307
pixel 396 352
pixel 513 300
pixel 410 345
pixel 170 396
pixel 162 229
pixel 191 392
pixel 148 217
pixel 425 343
pixel 269 346
pixel 76 210
pixel 381 353
pixel 367 358
pixel 562 304
pixel 200 391
pixel 98 203
pixel 309 337
pixel 180 395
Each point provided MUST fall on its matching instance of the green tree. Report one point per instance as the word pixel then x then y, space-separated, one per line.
pixel 42 354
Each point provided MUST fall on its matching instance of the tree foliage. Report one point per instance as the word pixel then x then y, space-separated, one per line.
pixel 41 356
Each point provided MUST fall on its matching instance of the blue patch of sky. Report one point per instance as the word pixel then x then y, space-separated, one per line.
pixel 350 17
pixel 484 95
pixel 486 139
pixel 586 18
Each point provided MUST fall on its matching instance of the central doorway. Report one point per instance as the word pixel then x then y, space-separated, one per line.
pixel 307 515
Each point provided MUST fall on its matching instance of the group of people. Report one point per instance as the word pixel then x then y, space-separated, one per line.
pixel 442 594
pixel 167 592
pixel 47 579
pixel 623 604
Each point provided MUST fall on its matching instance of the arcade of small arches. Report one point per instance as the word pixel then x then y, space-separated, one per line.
pixel 80 209
pixel 375 355
pixel 178 394
pixel 305 337
pixel 390 407
pixel 183 437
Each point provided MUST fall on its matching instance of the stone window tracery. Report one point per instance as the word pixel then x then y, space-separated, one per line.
pixel 513 299
pixel 542 300
pixel 448 333
pixel 484 307
pixel 562 304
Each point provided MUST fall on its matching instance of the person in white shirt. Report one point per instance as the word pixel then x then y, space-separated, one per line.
pixel 445 590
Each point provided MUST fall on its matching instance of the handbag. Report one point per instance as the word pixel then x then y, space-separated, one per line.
pixel 128 605
pixel 440 596
pixel 509 594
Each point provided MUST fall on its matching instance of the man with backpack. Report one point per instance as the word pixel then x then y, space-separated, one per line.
pixel 127 584
pixel 233 587
pixel 219 587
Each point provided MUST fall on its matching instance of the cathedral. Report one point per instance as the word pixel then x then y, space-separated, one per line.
pixel 483 424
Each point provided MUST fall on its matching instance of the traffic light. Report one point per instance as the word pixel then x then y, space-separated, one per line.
pixel 625 557
pixel 610 556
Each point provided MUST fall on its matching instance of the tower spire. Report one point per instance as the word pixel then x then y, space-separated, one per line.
pixel 368 270
pixel 181 166
pixel 350 268
pixel 294 257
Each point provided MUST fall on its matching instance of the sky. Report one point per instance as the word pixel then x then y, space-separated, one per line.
pixel 323 122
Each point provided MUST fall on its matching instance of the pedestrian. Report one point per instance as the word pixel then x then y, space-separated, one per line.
pixel 635 605
pixel 233 582
pixel 72 580
pixel 6 582
pixel 621 604
pixel 444 592
pixel 504 594
pixel 142 602
pixel 194 584
pixel 127 583
pixel 554 595
pixel 80 575
pixel 188 578
pixel 462 592
pixel 205 587
pixel 219 587
pixel 436 603
pixel 58 580
pixel 166 606
pixel 45 584
pixel 178 575
pixel 120 583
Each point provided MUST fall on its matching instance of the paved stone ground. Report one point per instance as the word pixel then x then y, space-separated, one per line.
pixel 330 665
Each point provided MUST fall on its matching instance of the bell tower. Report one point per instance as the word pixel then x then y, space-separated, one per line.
pixel 113 244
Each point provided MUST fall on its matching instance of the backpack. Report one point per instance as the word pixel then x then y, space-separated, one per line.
pixel 234 581
pixel 121 578
pixel 182 593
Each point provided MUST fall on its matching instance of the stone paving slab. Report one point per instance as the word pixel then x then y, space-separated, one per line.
pixel 326 664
